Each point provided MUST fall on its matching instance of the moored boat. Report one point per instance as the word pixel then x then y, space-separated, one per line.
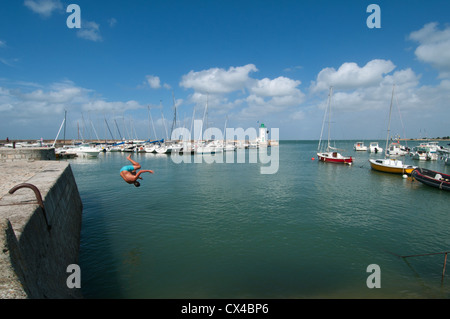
pixel 331 155
pixel 229 147
pixel 421 153
pixel 431 149
pixel 444 155
pixel 432 178
pixel 396 149
pixel 391 165
pixel 150 148
pixel 80 150
pixel 359 146
pixel 140 148
pixel 375 148
pixel 334 157
pixel 161 149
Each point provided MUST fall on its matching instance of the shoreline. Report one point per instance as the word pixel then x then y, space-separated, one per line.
pixel 110 141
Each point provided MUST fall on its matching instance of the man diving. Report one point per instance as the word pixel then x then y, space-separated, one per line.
pixel 129 173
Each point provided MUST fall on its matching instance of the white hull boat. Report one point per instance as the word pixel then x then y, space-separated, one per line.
pixel 359 146
pixel 395 149
pixel 83 151
pixel 375 148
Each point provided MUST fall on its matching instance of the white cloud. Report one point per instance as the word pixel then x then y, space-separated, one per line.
pixel 44 105
pixel 364 110
pixel 112 22
pixel 153 81
pixel 64 92
pixel 272 96
pixel 90 31
pixel 217 80
pixel 377 96
pixel 434 47
pixel 227 89
pixel 278 87
pixel 29 111
pixel 44 8
pixel 369 88
pixel 220 103
pixel 8 62
pixel 351 76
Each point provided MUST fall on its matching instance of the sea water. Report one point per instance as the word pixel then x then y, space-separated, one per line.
pixel 224 230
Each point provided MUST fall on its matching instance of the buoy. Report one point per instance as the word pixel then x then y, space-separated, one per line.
pixel 405 176
pixel 312 158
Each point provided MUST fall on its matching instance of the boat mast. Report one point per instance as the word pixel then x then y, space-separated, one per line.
pixel 323 123
pixel 65 114
pixel 205 114
pixel 148 113
pixel 109 129
pixel 329 116
pixel 64 120
pixel 117 126
pixel 389 123
pixel 192 123
pixel 93 128
pixel 153 124
pixel 174 123
pixel 164 122
pixel 401 121
pixel 225 131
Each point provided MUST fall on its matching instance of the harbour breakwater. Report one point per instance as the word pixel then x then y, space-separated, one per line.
pixel 40 225
pixel 28 154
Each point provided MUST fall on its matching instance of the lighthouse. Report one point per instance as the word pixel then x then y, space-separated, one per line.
pixel 262 139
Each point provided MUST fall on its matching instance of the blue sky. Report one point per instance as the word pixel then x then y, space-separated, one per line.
pixel 266 61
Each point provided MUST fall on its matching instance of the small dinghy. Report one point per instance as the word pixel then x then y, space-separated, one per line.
pixel 432 178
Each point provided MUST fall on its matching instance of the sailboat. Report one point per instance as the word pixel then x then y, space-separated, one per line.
pixel 207 146
pixel 331 154
pixel 390 165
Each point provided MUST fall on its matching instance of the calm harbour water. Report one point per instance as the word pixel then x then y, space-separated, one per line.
pixel 223 230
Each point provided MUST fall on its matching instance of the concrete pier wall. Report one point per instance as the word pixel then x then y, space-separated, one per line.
pixel 33 256
pixel 27 153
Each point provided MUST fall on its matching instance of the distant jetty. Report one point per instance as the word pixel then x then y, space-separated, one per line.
pixel 426 139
